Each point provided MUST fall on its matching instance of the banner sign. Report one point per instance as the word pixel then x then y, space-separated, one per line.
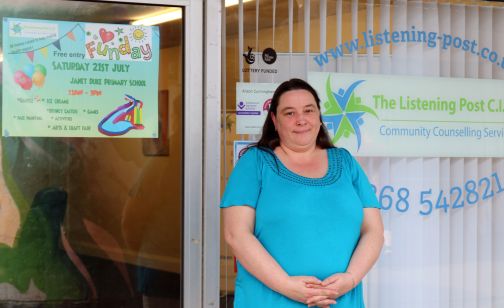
pixel 252 105
pixel 77 79
pixel 376 115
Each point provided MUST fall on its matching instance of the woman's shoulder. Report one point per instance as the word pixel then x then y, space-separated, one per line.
pixel 342 155
pixel 254 153
pixel 250 151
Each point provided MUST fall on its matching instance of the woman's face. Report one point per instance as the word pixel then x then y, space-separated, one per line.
pixel 297 119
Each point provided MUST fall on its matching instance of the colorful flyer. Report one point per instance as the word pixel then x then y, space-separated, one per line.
pixel 77 79
pixel 406 116
pixel 252 105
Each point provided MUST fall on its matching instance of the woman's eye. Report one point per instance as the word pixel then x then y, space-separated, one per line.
pixel 289 114
pixel 309 110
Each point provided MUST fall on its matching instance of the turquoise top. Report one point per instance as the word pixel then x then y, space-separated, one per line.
pixel 310 226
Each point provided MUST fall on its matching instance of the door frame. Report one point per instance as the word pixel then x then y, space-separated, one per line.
pixel 202 127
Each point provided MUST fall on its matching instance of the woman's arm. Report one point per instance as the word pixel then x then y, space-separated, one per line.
pixel 239 222
pixel 364 257
pixel 369 247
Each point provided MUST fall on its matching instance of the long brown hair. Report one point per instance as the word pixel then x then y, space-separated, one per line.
pixel 269 138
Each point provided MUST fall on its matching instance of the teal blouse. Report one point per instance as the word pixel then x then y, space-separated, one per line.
pixel 310 226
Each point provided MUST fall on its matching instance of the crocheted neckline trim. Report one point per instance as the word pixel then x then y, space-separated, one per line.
pixel 332 175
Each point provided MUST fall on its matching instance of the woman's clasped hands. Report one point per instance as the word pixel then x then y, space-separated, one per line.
pixel 317 293
pixel 308 289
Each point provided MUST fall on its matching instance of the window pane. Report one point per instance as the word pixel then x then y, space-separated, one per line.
pixel 442 213
pixel 95 220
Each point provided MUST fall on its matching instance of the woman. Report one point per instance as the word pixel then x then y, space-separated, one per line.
pixel 300 214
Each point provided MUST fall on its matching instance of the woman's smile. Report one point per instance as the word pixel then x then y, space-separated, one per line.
pixel 297 119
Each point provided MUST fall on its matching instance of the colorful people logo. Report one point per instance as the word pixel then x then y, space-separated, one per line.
pixel 123 119
pixel 344 111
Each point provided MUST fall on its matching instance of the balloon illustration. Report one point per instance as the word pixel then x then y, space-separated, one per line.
pixel 31 75
pixel 38 79
pixel 40 68
pixel 23 80
pixel 29 69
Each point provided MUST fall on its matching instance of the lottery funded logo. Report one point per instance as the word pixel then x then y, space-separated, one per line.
pixel 269 55
pixel 249 56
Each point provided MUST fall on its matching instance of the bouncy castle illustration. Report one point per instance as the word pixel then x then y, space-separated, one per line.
pixel 123 119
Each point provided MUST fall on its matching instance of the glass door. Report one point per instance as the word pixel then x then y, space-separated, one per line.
pixel 92 174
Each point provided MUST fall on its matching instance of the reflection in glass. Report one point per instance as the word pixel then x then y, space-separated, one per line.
pixel 95 220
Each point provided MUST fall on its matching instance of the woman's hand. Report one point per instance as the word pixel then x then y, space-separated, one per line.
pixel 321 302
pixel 336 285
pixel 341 282
pixel 304 288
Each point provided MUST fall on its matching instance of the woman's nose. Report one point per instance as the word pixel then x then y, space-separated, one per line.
pixel 300 120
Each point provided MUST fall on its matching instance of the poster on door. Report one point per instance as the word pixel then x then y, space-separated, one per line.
pixel 252 105
pixel 78 79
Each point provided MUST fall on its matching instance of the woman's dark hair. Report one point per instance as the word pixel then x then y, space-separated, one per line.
pixel 269 138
